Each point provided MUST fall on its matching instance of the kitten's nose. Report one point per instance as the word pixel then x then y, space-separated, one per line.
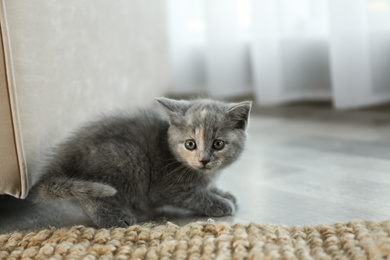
pixel 204 161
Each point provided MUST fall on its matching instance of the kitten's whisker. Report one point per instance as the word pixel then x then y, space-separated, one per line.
pixel 167 177
pixel 174 170
pixel 166 166
pixel 168 160
pixel 223 175
pixel 185 172
pixel 181 175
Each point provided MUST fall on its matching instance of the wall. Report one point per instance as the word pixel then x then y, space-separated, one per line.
pixel 71 60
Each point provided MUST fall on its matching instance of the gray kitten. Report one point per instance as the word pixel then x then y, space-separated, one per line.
pixel 123 167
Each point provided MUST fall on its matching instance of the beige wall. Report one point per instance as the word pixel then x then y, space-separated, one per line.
pixel 74 59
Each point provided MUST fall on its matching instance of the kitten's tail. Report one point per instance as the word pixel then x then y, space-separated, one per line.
pixel 65 188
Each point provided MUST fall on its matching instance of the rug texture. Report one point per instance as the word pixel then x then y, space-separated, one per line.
pixel 201 240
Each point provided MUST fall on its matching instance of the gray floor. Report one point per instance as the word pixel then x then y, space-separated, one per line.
pixel 298 169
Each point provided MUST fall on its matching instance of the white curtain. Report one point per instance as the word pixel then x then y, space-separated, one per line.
pixel 282 50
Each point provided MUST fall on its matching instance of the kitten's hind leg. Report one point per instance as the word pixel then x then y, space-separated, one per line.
pixel 106 212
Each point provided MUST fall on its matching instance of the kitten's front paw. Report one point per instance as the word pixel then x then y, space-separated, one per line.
pixel 115 220
pixel 226 195
pixel 123 223
pixel 127 221
pixel 221 207
pixel 229 196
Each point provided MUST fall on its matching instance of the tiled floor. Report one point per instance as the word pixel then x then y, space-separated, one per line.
pixel 296 170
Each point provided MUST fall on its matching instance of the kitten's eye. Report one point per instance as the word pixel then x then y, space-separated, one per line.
pixel 190 144
pixel 218 144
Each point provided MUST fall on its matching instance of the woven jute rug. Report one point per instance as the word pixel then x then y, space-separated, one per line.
pixel 202 240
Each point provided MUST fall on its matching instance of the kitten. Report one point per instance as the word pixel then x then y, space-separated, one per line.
pixel 126 166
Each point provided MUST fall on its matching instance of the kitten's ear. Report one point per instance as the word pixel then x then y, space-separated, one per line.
pixel 238 113
pixel 174 108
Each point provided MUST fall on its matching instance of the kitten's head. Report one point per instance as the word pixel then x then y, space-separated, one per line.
pixel 206 135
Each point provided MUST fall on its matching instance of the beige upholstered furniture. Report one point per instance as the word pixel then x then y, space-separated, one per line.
pixel 64 62
pixel 12 174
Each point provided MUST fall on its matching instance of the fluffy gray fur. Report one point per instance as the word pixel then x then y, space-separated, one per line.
pixel 123 167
